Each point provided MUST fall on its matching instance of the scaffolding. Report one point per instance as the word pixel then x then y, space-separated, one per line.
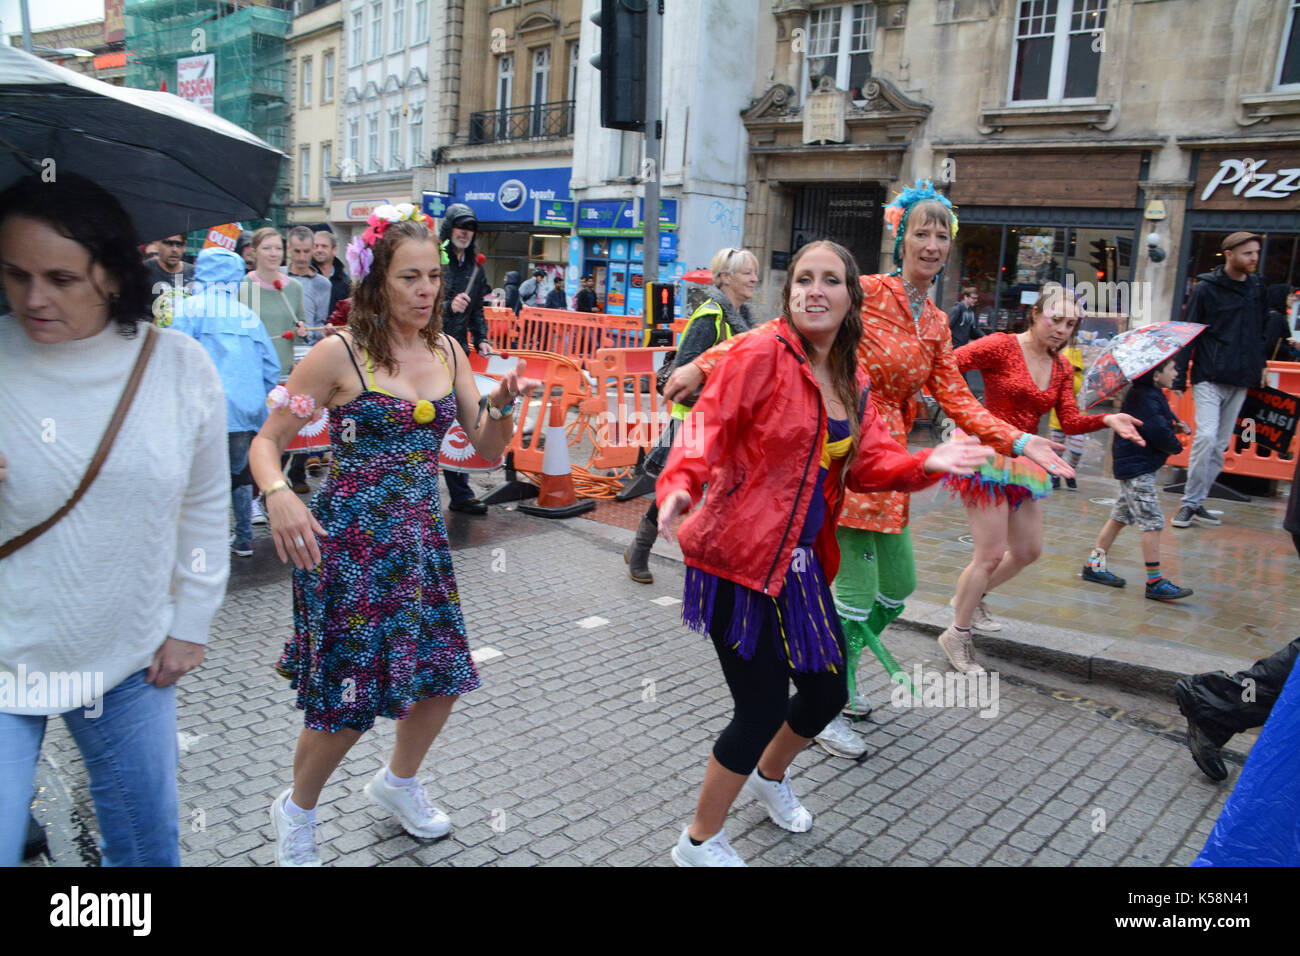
pixel 247 41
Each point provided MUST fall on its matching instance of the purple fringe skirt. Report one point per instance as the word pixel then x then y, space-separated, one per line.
pixel 801 621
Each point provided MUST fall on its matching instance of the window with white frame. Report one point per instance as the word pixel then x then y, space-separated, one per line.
pixel 305 73
pixel 505 81
pixel 395 159
pixel 541 86
pixel 1288 68
pixel 354 145
pixel 399 26
pixel 417 135
pixel 327 78
pixel 326 167
pixel 358 36
pixel 372 142
pixel 1058 50
pixel 420 22
pixel 541 75
pixel 304 173
pixel 376 29
pixel 840 43
pixel 573 71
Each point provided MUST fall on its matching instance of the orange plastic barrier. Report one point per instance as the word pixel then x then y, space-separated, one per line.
pixel 576 335
pixel 625 413
pixel 502 328
pixel 1250 460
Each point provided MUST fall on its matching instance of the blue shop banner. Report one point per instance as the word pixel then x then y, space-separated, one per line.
pixel 507 195
pixel 608 217
pixel 667 214
pixel 553 212
pixel 667 248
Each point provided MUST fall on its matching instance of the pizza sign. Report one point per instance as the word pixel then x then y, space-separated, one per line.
pixel 1250 180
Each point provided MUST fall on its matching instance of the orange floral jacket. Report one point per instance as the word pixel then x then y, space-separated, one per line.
pixel 899 365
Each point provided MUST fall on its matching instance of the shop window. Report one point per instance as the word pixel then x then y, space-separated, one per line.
pixel 1058 50
pixel 840 43
pixel 977 264
pixel 1288 71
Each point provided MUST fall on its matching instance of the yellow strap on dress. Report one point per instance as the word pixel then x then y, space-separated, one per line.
pixel 832 450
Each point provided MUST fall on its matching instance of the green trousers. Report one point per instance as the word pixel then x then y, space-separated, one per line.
pixel 877 573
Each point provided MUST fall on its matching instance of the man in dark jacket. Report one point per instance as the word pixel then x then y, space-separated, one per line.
pixel 324 256
pixel 556 299
pixel 961 319
pixel 462 317
pixel 586 301
pixel 511 290
pixel 1227 358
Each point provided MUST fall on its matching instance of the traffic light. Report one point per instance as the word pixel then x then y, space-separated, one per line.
pixel 1102 258
pixel 622 62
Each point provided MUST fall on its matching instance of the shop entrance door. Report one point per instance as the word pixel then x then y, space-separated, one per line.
pixel 851 216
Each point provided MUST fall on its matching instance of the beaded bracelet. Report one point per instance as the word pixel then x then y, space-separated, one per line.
pixel 1018 446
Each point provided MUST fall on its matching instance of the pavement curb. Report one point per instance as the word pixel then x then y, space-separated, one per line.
pixel 1114 661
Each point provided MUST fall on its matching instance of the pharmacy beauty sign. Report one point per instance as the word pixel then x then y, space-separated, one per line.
pixel 196 80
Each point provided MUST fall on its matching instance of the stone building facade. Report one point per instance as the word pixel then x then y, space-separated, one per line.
pixel 1069 133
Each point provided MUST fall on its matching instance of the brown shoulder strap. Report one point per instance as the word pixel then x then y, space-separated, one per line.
pixel 101 453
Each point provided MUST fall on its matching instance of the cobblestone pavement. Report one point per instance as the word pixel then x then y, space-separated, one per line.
pixel 587 742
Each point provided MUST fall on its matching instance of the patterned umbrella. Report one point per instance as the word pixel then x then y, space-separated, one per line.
pixel 1132 353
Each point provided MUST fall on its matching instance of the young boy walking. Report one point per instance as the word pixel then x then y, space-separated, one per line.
pixel 1135 468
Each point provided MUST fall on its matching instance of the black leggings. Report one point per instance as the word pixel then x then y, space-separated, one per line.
pixel 760 688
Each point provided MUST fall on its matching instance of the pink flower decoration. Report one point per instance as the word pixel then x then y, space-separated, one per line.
pixel 304 406
pixel 278 397
pixel 359 258
pixel 893 216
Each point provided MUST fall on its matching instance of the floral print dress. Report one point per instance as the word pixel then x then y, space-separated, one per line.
pixel 378 625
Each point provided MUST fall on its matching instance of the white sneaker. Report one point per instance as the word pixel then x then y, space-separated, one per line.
pixel 258 516
pixel 782 805
pixel 410 805
pixel 859 707
pixel 715 851
pixel 296 836
pixel 839 740
pixel 960 650
pixel 981 619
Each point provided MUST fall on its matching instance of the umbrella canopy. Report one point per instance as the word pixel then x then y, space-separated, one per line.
pixel 174 166
pixel 702 276
pixel 1133 353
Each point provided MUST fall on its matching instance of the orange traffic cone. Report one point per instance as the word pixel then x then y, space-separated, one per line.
pixel 557 498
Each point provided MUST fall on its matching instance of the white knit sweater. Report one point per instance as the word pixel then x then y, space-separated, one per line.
pixel 144 555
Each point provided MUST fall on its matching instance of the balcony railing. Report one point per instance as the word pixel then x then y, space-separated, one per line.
pixel 539 121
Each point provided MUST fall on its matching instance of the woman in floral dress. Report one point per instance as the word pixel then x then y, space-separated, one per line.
pixel 906 346
pixel 378 629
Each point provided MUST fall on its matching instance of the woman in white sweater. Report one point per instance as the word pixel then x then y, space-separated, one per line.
pixel 104 611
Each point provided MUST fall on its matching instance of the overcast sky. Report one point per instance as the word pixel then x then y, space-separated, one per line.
pixel 48 13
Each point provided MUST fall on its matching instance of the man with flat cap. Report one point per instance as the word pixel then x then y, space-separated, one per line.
pixel 1227 358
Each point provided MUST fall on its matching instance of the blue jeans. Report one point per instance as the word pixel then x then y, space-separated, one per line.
pixel 241 497
pixel 130 754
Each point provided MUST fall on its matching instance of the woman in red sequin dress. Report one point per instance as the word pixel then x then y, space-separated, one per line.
pixel 1025 375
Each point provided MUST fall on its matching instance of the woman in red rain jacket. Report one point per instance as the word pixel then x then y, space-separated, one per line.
pixel 781 429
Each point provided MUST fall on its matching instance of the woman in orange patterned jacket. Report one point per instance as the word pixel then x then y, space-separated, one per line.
pixel 906 346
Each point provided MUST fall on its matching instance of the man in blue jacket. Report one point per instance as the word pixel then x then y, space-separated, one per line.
pixel 1226 359
pixel 235 338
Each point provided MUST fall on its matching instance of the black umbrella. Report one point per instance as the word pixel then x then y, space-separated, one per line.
pixel 174 166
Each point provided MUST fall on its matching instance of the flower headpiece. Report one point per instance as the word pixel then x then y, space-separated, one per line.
pixel 896 212
pixel 360 253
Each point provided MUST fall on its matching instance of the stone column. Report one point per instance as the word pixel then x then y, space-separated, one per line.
pixel 1154 294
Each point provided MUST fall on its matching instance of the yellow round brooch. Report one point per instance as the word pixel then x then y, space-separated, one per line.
pixel 424 412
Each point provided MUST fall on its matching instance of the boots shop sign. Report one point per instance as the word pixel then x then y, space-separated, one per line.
pixel 1261 182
